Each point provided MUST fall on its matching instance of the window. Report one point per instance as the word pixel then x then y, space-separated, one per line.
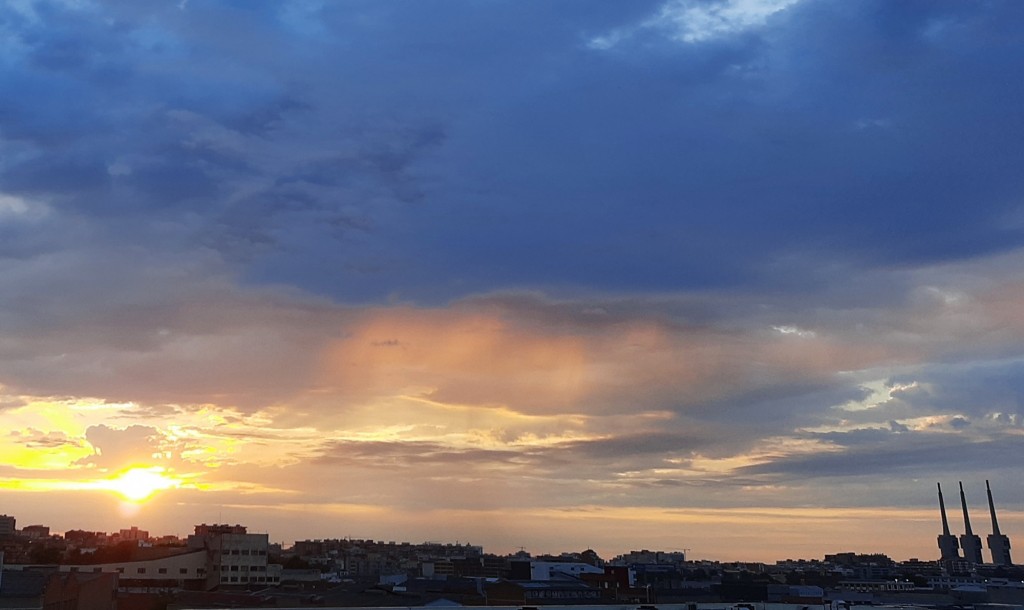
pixel 162 571
pixel 141 570
pixel 234 579
pixel 120 570
pixel 234 568
pixel 182 570
pixel 245 551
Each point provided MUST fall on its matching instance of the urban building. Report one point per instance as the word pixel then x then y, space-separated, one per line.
pixel 166 569
pixel 7 525
pixel 133 533
pixel 656 557
pixel 35 532
pixel 513 593
pixel 550 570
pixel 235 557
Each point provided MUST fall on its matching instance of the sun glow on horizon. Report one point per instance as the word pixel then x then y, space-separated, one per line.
pixel 138 484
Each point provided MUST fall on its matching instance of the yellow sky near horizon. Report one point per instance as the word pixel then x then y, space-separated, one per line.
pixel 151 463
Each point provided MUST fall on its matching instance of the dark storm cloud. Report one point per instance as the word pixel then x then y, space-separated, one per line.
pixel 776 148
pixel 533 161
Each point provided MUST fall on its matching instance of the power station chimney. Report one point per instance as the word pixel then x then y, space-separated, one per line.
pixel 998 544
pixel 949 548
pixel 969 541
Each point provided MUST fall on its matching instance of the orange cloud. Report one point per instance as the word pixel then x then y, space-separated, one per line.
pixel 460 357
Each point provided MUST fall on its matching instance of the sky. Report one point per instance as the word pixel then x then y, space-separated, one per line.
pixel 743 277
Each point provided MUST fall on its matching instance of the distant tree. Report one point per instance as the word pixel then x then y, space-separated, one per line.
pixel 73 557
pixel 43 554
pixel 122 551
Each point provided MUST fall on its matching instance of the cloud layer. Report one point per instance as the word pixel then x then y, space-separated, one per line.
pixel 412 265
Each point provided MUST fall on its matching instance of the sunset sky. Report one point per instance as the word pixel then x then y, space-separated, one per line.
pixel 744 277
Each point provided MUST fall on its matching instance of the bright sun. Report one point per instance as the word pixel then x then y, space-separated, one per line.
pixel 138 484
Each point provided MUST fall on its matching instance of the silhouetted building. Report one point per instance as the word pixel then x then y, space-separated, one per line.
pixel 35 531
pixel 795 594
pixel 614 584
pixel 948 546
pixel 535 593
pixel 133 534
pixel 969 541
pixel 7 524
pixel 998 544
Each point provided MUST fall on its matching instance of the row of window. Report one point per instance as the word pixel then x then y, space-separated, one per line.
pixel 226 568
pixel 247 579
pixel 181 571
pixel 244 552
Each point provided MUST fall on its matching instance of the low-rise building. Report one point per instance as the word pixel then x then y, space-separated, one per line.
pixel 535 593
pixel 35 532
pixel 549 570
pixel 166 570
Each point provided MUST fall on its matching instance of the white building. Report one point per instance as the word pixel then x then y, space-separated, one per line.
pixel 553 570
pixel 235 557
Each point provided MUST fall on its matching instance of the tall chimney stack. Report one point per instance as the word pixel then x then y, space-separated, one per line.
pixel 949 548
pixel 969 541
pixel 998 544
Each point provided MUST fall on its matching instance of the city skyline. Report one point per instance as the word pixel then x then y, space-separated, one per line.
pixel 739 276
pixel 991 556
pixel 129 507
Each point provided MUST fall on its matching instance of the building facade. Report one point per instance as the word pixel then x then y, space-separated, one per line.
pixel 235 557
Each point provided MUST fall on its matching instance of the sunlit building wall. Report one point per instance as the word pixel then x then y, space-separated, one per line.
pixel 235 557
pixel 182 571
pixel 133 534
